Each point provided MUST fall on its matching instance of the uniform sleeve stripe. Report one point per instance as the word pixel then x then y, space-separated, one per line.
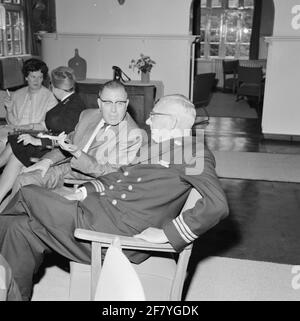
pixel 98 186
pixel 180 232
pixel 187 229
pixel 183 229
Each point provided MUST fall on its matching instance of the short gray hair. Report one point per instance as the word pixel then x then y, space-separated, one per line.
pixel 185 119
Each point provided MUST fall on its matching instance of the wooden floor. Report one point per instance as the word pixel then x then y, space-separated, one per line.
pixel 264 220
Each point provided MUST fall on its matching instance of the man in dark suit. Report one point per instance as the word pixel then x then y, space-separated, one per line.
pixel 141 199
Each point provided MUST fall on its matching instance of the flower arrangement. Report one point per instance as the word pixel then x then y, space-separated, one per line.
pixel 143 64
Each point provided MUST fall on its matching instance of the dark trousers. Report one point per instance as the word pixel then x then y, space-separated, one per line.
pixel 36 222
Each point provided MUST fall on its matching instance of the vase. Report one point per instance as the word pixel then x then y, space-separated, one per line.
pixel 145 77
pixel 78 64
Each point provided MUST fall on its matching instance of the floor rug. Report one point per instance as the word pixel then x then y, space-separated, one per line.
pixel 224 105
pixel 258 166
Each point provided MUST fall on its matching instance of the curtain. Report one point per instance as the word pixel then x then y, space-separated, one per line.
pixel 254 43
pixel 31 43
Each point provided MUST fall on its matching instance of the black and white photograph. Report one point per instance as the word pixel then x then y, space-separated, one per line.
pixel 149 153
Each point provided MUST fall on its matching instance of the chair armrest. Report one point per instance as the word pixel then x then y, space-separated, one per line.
pixel 127 242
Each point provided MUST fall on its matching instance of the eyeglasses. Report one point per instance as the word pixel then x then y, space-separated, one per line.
pixel 152 114
pixel 109 103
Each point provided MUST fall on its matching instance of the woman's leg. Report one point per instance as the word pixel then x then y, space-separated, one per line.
pixel 5 155
pixel 9 175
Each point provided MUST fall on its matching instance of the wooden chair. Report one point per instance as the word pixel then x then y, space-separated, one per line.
pixel 162 276
pixel 203 86
pixel 230 70
pixel 250 83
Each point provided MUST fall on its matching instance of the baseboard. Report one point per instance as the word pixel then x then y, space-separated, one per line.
pixel 291 138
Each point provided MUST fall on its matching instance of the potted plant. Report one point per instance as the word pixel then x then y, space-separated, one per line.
pixel 144 65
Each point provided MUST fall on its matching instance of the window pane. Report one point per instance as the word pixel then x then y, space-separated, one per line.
pixel 216 3
pixel 249 3
pixel 233 3
pixel 215 35
pixel 202 50
pixel 244 51
pixel 203 22
pixel 203 3
pixel 245 35
pixel 215 20
pixel 230 50
pixel 214 50
pixel 231 25
pixel 9 48
pixel 8 18
pixel 202 35
pixel 8 34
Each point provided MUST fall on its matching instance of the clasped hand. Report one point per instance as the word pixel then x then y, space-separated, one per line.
pixel 65 144
pixel 28 139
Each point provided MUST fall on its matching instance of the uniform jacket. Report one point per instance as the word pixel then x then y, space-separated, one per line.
pixel 152 192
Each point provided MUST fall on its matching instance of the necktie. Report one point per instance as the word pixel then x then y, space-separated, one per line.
pixel 88 144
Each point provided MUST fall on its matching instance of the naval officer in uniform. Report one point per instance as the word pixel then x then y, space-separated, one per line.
pixel 142 199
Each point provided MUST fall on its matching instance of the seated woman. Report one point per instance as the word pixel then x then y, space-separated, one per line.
pixel 27 107
pixel 62 118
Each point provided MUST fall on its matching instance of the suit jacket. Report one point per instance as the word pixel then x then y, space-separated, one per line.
pixel 152 192
pixel 113 147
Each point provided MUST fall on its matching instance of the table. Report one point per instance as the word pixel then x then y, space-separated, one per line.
pixel 142 96
pixel 157 83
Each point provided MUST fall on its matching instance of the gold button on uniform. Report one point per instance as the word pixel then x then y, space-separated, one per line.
pixel 123 196
pixel 126 173
pixel 139 179
pixel 130 188
pixel 114 202
pixel 111 187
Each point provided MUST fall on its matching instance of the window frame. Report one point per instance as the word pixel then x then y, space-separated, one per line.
pixel 19 8
pixel 222 11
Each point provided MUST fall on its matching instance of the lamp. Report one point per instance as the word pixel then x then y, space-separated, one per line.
pixel 121 2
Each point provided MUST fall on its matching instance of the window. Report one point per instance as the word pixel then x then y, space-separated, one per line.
pixel 225 28
pixel 12 35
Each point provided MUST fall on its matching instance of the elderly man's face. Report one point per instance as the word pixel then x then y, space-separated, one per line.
pixel 161 121
pixel 113 102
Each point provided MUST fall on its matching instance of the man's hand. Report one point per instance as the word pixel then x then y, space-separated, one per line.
pixel 65 144
pixel 42 165
pixel 28 139
pixel 153 234
pixel 78 195
pixel 8 101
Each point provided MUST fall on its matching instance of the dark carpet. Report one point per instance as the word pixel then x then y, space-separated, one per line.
pixel 263 224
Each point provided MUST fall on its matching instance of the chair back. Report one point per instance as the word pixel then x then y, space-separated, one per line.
pixel 203 85
pixel 253 75
pixel 230 66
